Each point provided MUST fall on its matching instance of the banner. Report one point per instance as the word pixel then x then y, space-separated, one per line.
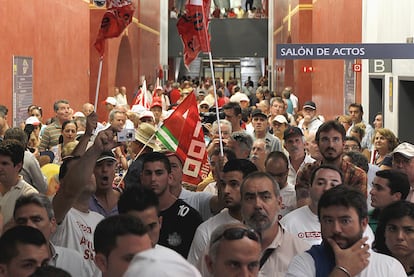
pixel 182 132
pixel 193 29
pixel 117 17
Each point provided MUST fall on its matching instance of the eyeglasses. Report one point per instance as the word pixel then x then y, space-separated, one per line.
pixel 353 147
pixel 238 233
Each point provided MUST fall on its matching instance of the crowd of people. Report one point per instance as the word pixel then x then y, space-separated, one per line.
pixel 291 193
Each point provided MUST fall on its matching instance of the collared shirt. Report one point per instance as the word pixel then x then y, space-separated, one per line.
pixel 286 247
pixel 50 136
pixel 8 200
pixel 353 176
pixel 293 173
pixel 366 141
pixel 95 206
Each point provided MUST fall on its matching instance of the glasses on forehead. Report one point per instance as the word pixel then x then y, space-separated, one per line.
pixel 238 233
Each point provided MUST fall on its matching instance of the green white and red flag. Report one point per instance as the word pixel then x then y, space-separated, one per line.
pixel 182 132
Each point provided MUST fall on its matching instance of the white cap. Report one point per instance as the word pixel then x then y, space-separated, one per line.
pixel 280 118
pixel 244 97
pixel 146 114
pixel 138 109
pixel 79 114
pixel 160 261
pixel 33 120
pixel 110 100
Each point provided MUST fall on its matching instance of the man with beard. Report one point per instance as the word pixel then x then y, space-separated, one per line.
pixel 233 173
pixel 260 206
pixel 330 139
pixel 343 215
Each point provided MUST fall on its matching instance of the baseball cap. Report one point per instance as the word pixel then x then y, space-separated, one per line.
pixel 139 109
pixel 292 131
pixel 110 100
pixel 310 105
pixel 406 149
pixel 258 112
pixel 203 103
pixel 146 114
pixel 280 118
pixel 106 155
pixel 244 97
pixel 79 114
pixel 33 120
pixel 156 104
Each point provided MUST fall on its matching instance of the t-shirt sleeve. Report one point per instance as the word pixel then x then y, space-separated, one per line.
pixel 301 266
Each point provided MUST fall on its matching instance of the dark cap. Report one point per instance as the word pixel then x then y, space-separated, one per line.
pixel 292 131
pixel 258 112
pixel 107 155
pixel 310 105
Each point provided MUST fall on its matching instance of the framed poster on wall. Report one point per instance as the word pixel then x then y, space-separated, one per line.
pixel 349 84
pixel 22 87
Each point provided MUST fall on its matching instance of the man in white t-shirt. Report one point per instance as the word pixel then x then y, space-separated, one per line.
pixel 303 222
pixel 233 173
pixel 343 215
pixel 76 223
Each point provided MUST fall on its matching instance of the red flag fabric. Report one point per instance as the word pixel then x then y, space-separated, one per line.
pixel 117 17
pixel 143 97
pixel 182 132
pixel 193 29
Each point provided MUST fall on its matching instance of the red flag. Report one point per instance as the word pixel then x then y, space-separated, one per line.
pixel 193 29
pixel 117 17
pixel 144 97
pixel 182 132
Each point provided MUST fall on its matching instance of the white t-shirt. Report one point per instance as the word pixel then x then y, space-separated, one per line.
pixel 288 194
pixel 199 201
pixel 76 232
pixel 202 236
pixel 304 224
pixel 379 265
pixel 69 260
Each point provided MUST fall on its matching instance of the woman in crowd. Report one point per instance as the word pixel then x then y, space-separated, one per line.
pixel 395 234
pixel 69 131
pixel 384 142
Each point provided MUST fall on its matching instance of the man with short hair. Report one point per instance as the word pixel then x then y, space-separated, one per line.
pixel 343 216
pixel 276 165
pixel 30 172
pixel 233 114
pixel 234 251
pixel 233 173
pixel 278 107
pixel 143 203
pixel 12 185
pixel 330 139
pixel 35 210
pixel 261 203
pixel 259 153
pixel 279 125
pixel 356 112
pixel 105 199
pixel 23 249
pixel 310 121
pixel 180 220
pixel 205 203
pixel 51 134
pixel 241 143
pixel 260 125
pixel 295 146
pixel 402 160
pixel 388 187
pixel 117 239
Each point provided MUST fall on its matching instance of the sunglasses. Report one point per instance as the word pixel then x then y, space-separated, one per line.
pixel 238 233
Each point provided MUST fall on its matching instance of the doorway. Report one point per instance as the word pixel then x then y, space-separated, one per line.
pixel 406 110
pixel 376 97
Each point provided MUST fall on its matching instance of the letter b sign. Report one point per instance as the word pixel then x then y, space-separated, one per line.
pixel 380 66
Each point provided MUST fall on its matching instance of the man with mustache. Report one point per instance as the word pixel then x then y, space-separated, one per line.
pixel 343 215
pixel 330 138
pixel 260 206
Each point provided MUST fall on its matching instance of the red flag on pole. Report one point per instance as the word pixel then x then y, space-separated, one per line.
pixel 182 132
pixel 144 97
pixel 193 29
pixel 117 17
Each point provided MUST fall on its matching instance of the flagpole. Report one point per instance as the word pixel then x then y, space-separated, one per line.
pixel 98 83
pixel 210 57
